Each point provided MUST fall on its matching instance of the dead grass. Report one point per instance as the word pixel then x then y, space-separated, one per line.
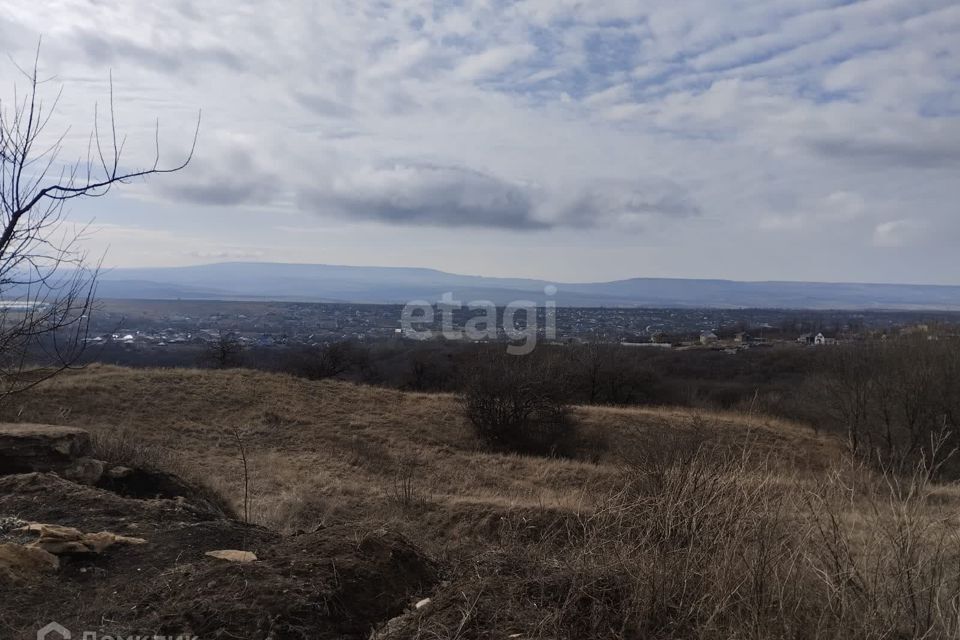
pixel 687 525
pixel 711 544
pixel 340 447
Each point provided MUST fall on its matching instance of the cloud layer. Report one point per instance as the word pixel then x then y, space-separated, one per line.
pixel 681 123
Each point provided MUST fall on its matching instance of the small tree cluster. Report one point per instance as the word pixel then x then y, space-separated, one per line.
pixel 897 402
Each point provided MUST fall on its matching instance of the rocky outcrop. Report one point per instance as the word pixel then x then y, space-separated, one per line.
pixel 66 451
pixel 26 448
pixel 40 447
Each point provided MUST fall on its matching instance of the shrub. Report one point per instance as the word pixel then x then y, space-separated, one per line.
pixel 886 552
pixel 519 405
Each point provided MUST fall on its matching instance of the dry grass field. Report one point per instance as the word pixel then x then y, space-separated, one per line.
pixel 323 451
pixel 669 524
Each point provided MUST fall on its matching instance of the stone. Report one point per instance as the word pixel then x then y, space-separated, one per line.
pixel 27 448
pixel 60 540
pixel 10 523
pixel 99 542
pixel 119 472
pixel 85 471
pixel 23 563
pixel 232 555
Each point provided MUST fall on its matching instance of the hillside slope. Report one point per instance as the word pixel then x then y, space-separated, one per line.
pixel 404 529
pixel 331 451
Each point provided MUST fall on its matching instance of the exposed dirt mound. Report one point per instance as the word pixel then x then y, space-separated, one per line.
pixel 332 583
pixel 149 483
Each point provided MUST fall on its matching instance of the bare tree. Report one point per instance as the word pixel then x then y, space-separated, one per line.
pixel 898 401
pixel 47 281
pixel 325 361
pixel 848 388
pixel 224 352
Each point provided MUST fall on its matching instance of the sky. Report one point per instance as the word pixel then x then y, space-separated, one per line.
pixel 568 140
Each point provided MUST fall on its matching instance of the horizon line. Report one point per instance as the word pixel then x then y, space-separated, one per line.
pixel 536 279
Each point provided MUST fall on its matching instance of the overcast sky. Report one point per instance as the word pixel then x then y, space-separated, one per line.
pixel 567 140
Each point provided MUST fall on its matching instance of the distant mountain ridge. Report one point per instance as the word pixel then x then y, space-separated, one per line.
pixel 398 285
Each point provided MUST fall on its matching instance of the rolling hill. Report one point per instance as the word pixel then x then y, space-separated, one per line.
pixel 388 285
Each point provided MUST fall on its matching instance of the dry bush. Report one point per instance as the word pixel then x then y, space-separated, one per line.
pixel 697 548
pixel 518 405
pixel 124 448
pixel 694 543
pixel 886 554
pixel 303 508
pixel 712 544
pixel 406 490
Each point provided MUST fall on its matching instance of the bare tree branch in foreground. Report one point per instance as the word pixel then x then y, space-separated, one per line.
pixel 47 281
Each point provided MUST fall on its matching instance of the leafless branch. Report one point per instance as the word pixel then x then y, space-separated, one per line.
pixel 47 280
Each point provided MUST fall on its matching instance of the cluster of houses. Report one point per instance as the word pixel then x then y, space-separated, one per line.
pixel 744 340
pixel 816 339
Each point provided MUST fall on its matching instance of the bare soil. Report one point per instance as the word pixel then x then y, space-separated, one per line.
pixel 334 582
